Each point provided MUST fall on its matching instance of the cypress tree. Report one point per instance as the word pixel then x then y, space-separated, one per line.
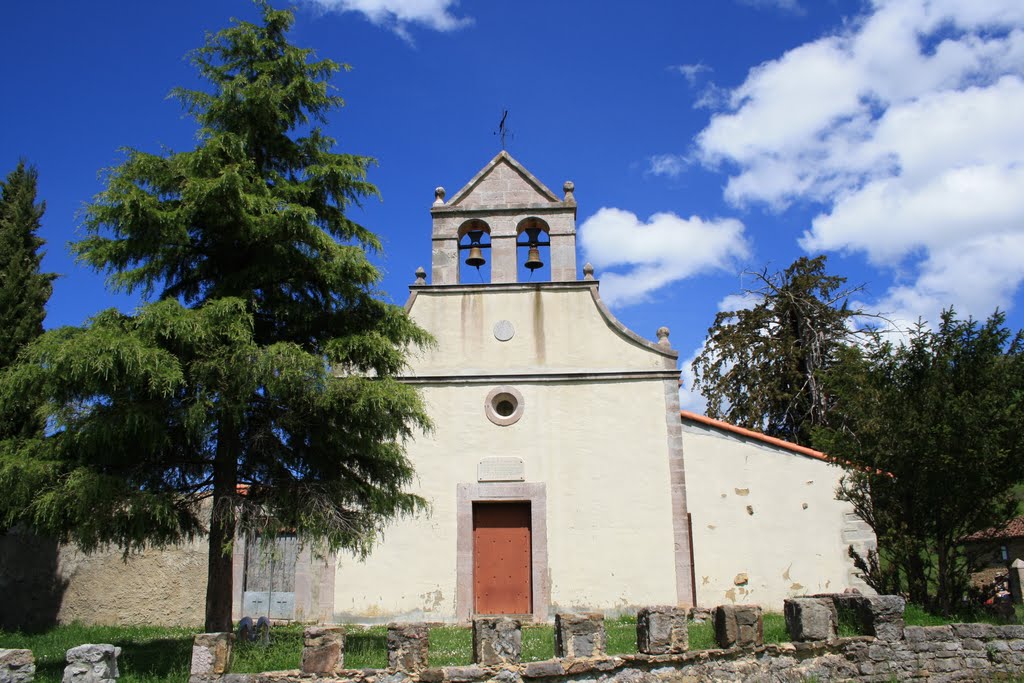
pixel 24 289
pixel 262 379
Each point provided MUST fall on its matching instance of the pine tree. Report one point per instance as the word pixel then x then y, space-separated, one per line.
pixel 24 289
pixel 933 427
pixel 263 376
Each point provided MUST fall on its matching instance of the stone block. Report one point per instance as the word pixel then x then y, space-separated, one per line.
pixel 810 619
pixel 408 645
pixel 497 641
pixel 323 650
pixel 551 667
pixel 981 631
pixel 92 664
pixel 211 654
pixel 662 631
pixel 739 626
pixel 883 616
pixel 580 635
pixel 17 666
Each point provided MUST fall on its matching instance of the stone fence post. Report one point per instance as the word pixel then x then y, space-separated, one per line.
pixel 17 666
pixel 92 664
pixel 323 650
pixel 580 635
pixel 211 654
pixel 811 619
pixel 739 626
pixel 408 646
pixel 1016 578
pixel 497 641
pixel 662 631
pixel 884 617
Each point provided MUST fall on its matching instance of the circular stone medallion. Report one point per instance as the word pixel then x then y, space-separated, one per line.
pixel 503 330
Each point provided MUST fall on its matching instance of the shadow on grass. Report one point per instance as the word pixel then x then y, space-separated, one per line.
pixel 366 648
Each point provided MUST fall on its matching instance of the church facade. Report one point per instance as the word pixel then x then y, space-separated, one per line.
pixel 559 472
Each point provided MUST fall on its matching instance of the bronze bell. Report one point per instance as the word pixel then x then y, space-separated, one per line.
pixel 533 261
pixel 476 254
pixel 476 257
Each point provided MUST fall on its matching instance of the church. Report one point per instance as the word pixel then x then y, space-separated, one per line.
pixel 561 474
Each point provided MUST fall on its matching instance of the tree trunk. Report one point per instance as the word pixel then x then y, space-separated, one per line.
pixel 220 575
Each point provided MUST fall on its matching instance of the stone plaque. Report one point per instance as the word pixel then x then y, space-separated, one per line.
pixel 501 469
pixel 503 330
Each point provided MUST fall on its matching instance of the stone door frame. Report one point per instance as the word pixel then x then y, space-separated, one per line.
pixel 504 492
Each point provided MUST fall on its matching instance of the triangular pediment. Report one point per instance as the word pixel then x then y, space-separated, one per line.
pixel 503 182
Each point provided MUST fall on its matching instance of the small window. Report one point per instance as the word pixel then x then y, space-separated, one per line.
pixel 504 406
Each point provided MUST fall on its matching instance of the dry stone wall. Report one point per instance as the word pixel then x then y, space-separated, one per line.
pixel 890 651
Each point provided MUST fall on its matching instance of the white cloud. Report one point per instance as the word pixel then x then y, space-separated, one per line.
pixel 788 5
pixel 398 15
pixel 635 257
pixel 691 71
pixel 670 165
pixel 905 127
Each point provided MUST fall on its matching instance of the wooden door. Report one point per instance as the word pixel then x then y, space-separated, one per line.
pixel 502 572
pixel 269 589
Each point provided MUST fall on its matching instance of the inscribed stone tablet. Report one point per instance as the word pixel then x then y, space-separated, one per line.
pixel 500 469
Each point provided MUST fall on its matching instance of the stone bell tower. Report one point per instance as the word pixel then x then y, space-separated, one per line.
pixel 506 210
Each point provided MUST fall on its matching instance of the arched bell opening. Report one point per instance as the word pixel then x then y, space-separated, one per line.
pixel 533 250
pixel 474 252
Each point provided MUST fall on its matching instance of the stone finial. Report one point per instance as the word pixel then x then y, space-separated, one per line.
pixel 421 276
pixel 92 664
pixel 569 187
pixel 663 333
pixel 439 196
pixel 497 641
pixel 580 635
pixel 17 666
pixel 588 271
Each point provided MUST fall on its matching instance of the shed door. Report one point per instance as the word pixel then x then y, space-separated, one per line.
pixel 502 558
pixel 270 578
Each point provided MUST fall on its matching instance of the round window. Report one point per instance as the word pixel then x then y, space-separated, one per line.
pixel 504 406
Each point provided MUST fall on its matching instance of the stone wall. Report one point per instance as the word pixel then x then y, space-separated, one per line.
pixel 891 651
pixel 46 584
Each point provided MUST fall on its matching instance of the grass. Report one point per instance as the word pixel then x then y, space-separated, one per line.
pixel 161 655
pixel 151 654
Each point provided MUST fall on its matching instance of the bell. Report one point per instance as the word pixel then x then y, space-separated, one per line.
pixel 476 257
pixel 533 261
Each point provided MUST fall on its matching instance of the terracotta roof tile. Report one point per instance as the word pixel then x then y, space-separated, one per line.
pixel 1013 529
pixel 725 426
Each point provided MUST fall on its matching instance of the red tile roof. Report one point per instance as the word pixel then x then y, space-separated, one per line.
pixel 725 426
pixel 1013 529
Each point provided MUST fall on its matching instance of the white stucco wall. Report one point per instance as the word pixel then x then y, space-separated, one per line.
pixel 765 512
pixel 597 444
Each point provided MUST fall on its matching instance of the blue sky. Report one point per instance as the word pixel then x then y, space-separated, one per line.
pixel 705 137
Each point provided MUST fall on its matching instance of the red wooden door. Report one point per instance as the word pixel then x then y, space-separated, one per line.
pixel 501 558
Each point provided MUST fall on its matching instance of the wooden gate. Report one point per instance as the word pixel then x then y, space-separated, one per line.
pixel 502 567
pixel 269 589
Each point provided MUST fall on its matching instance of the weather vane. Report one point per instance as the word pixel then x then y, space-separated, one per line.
pixel 503 130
